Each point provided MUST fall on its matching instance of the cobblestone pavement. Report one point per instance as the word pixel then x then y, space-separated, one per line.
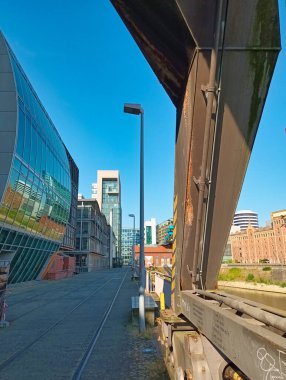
pixel 53 323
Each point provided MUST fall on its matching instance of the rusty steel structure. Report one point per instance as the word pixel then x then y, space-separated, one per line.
pixel 215 59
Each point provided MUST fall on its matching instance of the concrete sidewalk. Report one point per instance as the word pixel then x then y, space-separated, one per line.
pixel 52 324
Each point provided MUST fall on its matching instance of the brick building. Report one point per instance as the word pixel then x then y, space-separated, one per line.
pixel 155 255
pixel 261 244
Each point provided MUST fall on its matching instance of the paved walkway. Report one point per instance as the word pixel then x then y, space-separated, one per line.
pixel 76 328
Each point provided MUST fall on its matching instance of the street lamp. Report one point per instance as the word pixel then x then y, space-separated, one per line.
pixel 133 245
pixel 136 109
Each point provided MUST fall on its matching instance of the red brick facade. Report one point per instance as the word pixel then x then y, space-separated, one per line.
pixel 268 243
pixel 155 255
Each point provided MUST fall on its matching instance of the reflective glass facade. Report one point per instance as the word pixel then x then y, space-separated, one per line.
pixel 70 234
pixel 36 200
pixel 128 237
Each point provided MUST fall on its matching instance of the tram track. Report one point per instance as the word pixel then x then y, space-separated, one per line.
pixel 11 295
pixel 57 285
pixel 25 349
pixel 13 292
pixel 46 303
pixel 85 358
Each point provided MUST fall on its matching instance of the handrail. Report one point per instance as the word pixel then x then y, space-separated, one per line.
pixel 160 274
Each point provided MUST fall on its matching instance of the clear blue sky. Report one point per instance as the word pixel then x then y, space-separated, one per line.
pixel 84 65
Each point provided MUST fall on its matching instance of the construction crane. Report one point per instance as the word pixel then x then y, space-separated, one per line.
pixel 215 59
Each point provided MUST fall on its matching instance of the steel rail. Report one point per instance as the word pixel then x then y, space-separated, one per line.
pixel 88 352
pixel 34 287
pixel 259 314
pixel 14 290
pixel 18 353
pixel 23 300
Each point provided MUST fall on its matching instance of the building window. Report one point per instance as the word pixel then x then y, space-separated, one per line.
pixel 148 235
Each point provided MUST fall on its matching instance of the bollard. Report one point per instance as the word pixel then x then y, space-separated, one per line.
pixel 162 301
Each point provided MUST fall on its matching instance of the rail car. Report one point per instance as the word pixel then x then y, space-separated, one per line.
pixel 215 59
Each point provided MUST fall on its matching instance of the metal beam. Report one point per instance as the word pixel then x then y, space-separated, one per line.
pixel 257 351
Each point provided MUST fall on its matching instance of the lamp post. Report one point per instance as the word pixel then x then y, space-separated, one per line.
pixel 111 239
pixel 136 109
pixel 133 245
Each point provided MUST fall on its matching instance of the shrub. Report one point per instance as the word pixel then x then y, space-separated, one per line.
pixel 250 277
pixel 234 272
pixel 266 268
pixel 283 285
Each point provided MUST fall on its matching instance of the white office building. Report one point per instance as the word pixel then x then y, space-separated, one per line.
pixel 244 218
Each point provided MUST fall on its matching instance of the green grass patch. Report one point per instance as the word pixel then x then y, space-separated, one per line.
pixel 231 275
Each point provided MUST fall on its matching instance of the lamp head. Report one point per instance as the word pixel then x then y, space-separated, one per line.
pixel 132 215
pixel 134 109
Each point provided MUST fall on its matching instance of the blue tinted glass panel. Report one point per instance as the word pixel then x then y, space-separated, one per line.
pixel 20 133
pixel 27 146
pixel 33 147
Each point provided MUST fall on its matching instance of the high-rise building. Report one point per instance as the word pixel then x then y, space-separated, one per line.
pixel 35 175
pixel 129 237
pixel 107 192
pixel 150 231
pixel 244 218
pixel 164 232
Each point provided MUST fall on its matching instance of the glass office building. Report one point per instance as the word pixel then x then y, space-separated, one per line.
pixel 35 179
pixel 129 238
pixel 107 192
pixel 69 240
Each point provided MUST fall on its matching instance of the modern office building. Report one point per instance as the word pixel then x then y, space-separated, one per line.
pixel 244 218
pixel 35 175
pixel 107 192
pixel 150 231
pixel 129 237
pixel 95 240
pixel 164 232
pixel 261 244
